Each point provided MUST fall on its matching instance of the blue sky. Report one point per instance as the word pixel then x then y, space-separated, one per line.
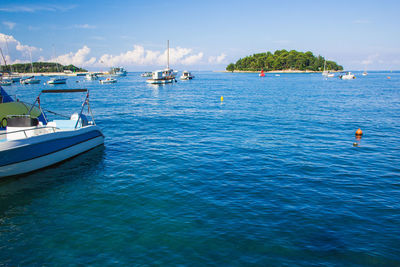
pixel 204 35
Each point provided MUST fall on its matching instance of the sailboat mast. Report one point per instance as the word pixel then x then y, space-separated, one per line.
pixel 5 63
pixel 8 51
pixel 167 54
pixel 55 59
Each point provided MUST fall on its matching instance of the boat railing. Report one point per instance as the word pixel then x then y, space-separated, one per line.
pixel 26 133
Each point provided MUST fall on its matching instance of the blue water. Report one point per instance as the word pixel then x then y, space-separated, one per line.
pixel 267 177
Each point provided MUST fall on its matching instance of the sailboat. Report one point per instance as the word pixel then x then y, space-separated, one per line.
pixel 327 73
pixel 31 79
pixel 262 74
pixel 163 76
pixel 57 80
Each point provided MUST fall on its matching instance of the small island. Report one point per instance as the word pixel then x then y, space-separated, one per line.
pixel 283 60
pixel 41 67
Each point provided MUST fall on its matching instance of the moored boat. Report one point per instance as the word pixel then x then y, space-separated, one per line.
pixel 91 76
pixel 57 81
pixel 29 143
pixel 108 80
pixel 186 75
pixel 30 80
pixel 120 71
pixel 159 78
pixel 347 76
pixel 5 83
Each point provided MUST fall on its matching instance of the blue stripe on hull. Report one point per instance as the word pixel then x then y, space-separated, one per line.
pixel 29 152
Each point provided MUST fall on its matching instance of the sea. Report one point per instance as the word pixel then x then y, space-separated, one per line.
pixel 271 174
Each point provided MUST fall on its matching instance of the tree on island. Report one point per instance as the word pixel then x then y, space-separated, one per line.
pixel 283 60
pixel 44 67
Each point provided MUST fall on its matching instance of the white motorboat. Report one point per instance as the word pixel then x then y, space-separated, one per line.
pixel 30 80
pixel 91 76
pixel 57 81
pixel 5 83
pixel 29 144
pixel 159 78
pixel 186 75
pixel 364 73
pixel 347 76
pixel 108 80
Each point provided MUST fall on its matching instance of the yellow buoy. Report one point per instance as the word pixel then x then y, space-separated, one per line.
pixel 222 98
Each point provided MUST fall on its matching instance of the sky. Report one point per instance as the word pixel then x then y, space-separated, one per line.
pixel 203 35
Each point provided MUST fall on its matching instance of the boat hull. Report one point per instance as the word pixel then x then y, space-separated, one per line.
pixel 160 81
pixel 31 154
pixel 57 81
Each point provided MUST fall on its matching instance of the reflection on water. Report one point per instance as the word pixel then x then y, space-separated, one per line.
pixel 17 190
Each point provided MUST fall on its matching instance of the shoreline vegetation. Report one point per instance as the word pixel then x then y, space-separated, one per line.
pixel 40 67
pixel 283 61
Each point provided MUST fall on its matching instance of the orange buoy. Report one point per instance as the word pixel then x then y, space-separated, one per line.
pixel 359 132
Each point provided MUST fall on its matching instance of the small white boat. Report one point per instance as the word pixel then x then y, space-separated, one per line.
pixel 108 80
pixel 57 81
pixel 30 144
pixel 91 76
pixel 146 74
pixel 347 76
pixel 277 75
pixel 364 73
pixel 186 75
pixel 30 80
pixel 330 75
pixel 5 83
pixel 159 78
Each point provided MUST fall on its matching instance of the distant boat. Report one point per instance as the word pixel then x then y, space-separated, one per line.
pixel 347 76
pixel 327 73
pixel 262 74
pixel 57 81
pixel 364 73
pixel 30 80
pixel 91 76
pixel 120 71
pixel 5 83
pixel 108 80
pixel 277 75
pixel 159 78
pixel 146 74
pixel 163 76
pixel 186 75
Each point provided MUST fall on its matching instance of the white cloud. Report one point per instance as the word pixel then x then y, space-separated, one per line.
pixel 9 24
pixel 84 26
pixel 140 56
pixel 79 58
pixel 137 56
pixel 15 52
pixel 217 60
